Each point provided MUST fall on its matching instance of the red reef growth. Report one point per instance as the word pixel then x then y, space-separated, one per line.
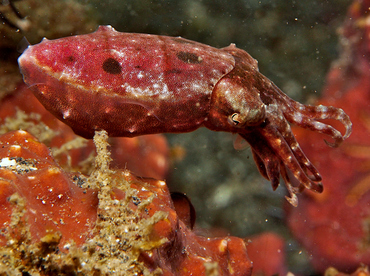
pixel 361 271
pixel 335 226
pixel 55 223
pixel 53 201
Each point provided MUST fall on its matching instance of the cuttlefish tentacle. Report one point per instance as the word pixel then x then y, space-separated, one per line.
pixel 307 116
pixel 276 118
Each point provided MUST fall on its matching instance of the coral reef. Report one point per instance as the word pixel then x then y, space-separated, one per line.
pixel 361 271
pixel 55 223
pixel 334 227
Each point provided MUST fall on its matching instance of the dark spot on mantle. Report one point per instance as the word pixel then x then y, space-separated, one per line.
pixel 71 59
pixel 173 71
pixel 112 66
pixel 189 57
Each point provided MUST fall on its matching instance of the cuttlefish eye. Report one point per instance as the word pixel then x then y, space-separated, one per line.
pixel 234 119
pixel 252 117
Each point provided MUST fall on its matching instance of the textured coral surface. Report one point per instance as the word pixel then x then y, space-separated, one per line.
pixel 56 223
pixel 54 202
pixel 361 271
pixel 335 226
